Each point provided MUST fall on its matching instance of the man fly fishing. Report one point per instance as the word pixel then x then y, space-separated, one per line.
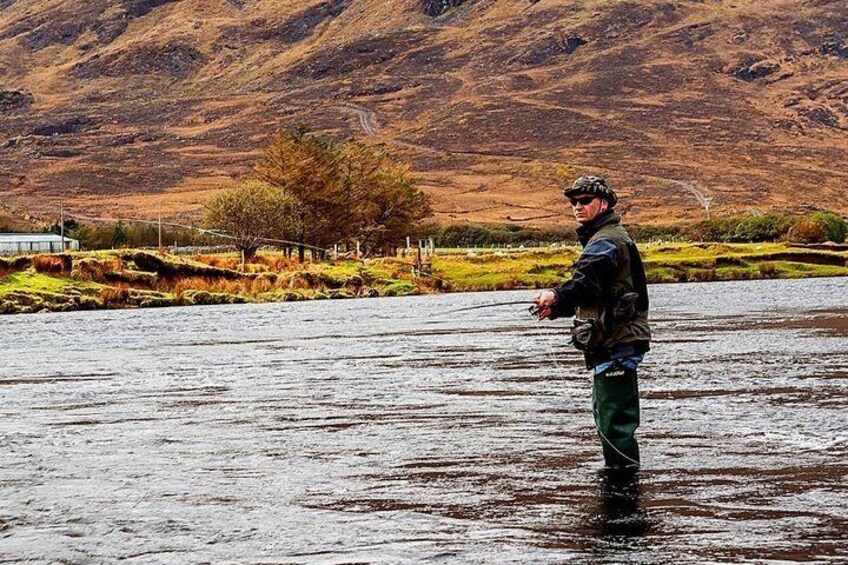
pixel 608 297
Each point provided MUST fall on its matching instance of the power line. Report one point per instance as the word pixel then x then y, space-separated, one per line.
pixel 199 230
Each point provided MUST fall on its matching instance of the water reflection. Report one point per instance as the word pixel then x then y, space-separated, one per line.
pixel 619 512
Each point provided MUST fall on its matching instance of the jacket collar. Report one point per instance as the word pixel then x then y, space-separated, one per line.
pixel 605 218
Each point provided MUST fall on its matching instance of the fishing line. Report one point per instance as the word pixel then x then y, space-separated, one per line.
pixel 552 356
pixel 548 348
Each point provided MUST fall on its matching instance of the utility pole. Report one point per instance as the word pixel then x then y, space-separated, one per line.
pixel 62 224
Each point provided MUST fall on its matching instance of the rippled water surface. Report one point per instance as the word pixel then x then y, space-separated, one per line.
pixel 390 431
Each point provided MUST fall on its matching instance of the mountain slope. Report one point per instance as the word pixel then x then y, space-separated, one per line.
pixel 118 107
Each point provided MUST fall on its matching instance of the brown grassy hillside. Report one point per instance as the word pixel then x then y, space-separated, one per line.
pixel 118 106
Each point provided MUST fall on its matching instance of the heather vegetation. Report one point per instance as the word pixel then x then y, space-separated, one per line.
pixel 132 278
pixel 10 223
pixel 485 99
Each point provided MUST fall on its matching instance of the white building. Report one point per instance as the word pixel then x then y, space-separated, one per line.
pixel 21 243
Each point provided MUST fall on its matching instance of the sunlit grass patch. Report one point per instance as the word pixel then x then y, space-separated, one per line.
pixel 29 281
pixel 399 288
pixel 500 271
pixel 29 291
pixel 339 271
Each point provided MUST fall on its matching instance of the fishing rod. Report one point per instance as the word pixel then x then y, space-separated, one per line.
pixel 531 306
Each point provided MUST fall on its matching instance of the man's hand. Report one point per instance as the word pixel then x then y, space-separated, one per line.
pixel 544 302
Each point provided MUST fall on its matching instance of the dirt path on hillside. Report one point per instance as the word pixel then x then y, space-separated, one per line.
pixel 368 122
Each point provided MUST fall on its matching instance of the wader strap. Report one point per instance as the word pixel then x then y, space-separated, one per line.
pixel 637 271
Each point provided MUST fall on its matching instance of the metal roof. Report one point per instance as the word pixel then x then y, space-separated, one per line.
pixel 28 237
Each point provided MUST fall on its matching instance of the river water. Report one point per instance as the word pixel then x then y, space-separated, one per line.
pixel 393 431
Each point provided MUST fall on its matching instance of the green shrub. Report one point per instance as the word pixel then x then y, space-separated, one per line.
pixel 485 235
pixel 765 227
pixel 832 226
pixel 805 231
pixel 742 229
pixel 735 229
pixel 768 270
pixel 818 227
pixel 714 229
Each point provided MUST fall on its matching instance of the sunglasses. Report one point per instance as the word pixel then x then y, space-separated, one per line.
pixel 582 200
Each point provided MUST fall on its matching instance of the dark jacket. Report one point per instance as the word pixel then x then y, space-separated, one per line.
pixel 608 288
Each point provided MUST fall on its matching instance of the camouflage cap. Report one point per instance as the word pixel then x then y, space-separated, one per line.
pixel 588 184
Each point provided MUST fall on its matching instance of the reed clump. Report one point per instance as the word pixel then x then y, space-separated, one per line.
pixel 59 264
pixel 115 297
pixel 95 268
pixel 219 261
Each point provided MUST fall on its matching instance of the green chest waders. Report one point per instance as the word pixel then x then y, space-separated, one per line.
pixel 615 404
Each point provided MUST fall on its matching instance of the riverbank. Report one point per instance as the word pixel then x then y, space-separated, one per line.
pixel 141 279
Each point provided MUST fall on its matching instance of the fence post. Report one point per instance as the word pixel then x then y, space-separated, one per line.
pixel 160 225
pixel 61 228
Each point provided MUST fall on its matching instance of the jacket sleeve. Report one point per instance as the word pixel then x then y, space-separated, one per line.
pixel 592 275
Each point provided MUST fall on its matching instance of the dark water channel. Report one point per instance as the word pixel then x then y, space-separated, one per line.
pixel 383 431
